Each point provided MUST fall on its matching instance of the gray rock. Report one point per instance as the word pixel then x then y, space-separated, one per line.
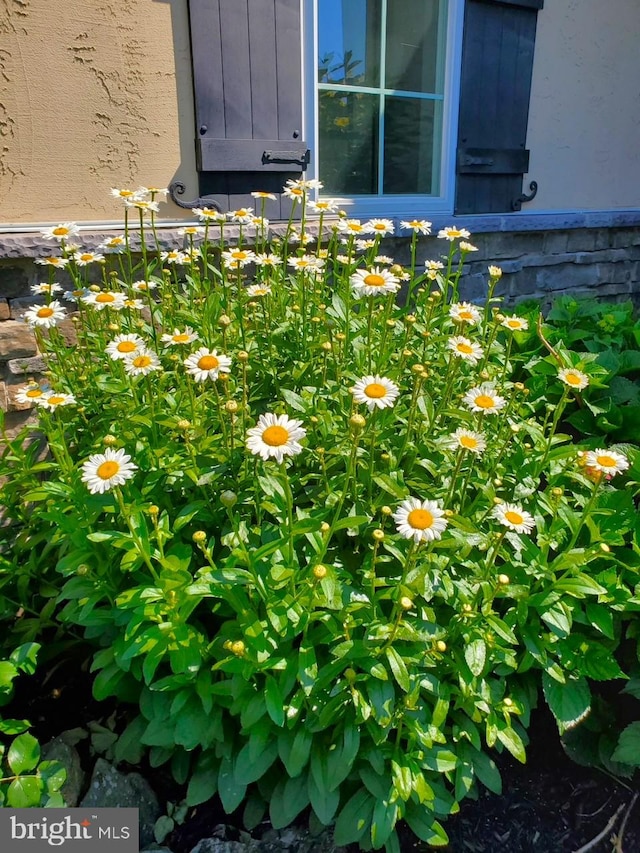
pixel 218 845
pixel 22 366
pixel 58 750
pixel 155 849
pixel 109 788
pixel 16 340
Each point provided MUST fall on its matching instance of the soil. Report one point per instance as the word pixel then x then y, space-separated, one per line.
pixel 549 805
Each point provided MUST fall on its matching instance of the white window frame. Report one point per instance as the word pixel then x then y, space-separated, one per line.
pixel 392 206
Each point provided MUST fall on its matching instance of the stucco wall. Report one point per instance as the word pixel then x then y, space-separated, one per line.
pixel 89 101
pixel 584 120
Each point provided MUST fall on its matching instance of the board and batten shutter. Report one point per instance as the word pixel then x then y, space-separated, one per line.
pixel 497 65
pixel 247 80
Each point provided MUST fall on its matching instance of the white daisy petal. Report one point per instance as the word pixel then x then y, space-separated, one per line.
pixel 103 471
pixel 514 517
pixel 422 521
pixel 275 436
pixel 484 399
pixel 376 392
pixel 607 461
pixel 206 364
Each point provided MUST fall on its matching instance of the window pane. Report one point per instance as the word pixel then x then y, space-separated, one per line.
pixel 348 135
pixel 349 42
pixel 408 146
pixel 412 45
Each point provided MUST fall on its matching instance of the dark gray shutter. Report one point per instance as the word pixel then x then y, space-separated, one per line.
pixel 248 98
pixel 497 64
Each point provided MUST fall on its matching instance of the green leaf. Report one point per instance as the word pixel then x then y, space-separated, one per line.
pixel 25 792
pixel 298 756
pixel 354 819
pixel 598 663
pixel 580 585
pixel 427 830
pixel 323 801
pixel 628 749
pixel 274 701
pixel 307 668
pixel 385 815
pixel 398 668
pixel 250 767
pixel 558 618
pixel 23 754
pixel 231 792
pixel 24 657
pixel 204 781
pixel 512 741
pixel 486 770
pixel 601 617
pixel 569 703
pixel 289 798
pixel 162 827
pixel 475 654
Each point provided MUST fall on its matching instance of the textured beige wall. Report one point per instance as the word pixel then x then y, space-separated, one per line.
pixel 584 121
pixel 89 101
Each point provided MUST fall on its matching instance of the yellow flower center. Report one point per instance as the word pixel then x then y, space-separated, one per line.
pixel 606 461
pixel 126 193
pixel 465 315
pixel 105 297
pixel 60 231
pixel 182 338
pixel 275 436
pixel 468 441
pixel 513 517
pixel 374 280
pixel 141 361
pixel 415 224
pixel 239 256
pixel 208 362
pixel 86 257
pixel 108 469
pixel 466 349
pixel 572 379
pixel 33 392
pixel 126 346
pixel 45 312
pixel 484 401
pixel 55 401
pixel 375 390
pixel 514 324
pixel 379 226
pixel 420 519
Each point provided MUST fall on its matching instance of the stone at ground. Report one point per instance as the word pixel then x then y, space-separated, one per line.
pixel 58 750
pixel 16 340
pixel 290 840
pixel 110 788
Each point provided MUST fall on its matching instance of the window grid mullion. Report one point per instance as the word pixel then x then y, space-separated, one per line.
pixel 374 90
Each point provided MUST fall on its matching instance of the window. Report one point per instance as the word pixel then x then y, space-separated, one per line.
pixel 384 101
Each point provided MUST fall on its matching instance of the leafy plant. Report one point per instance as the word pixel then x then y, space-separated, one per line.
pixel 326 544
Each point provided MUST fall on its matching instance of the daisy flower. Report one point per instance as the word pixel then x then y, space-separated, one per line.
pixel 465 312
pixel 352 226
pixel 174 257
pixel 495 272
pixel 327 205
pixel 433 265
pixel 103 471
pixel 451 233
pixel 268 259
pixel 52 399
pixel 307 263
pixel 573 378
pixel 484 399
pixel 467 247
pixel 607 461
pixel 61 232
pixel 419 226
pixel 422 521
pixel 463 348
pixel 363 245
pixel 207 214
pixel 514 517
pixel 123 346
pixel 373 282
pixel 134 304
pixel 115 244
pixel 206 364
pixel 260 194
pixel 75 295
pixel 383 259
pixel 153 191
pixel 242 216
pixel 297 237
pixel 45 289
pixel 515 324
pixel 124 194
pixel 258 290
pixel 144 286
pixel 467 439
pixel 143 206
pixel 30 394
pixel 59 263
pixel 191 231
pixel 275 436
pixel 105 299
pixel 141 363
pixel 237 258
pixel 179 338
pixel 305 183
pixel 45 315
pixel 375 392
pixel 84 258
pixel 380 226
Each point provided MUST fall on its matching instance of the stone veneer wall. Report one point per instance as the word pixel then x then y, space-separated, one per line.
pixel 539 264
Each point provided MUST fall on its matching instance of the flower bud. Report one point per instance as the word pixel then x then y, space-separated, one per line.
pixel 407 353
pixel 199 537
pixel 378 535
pixel 357 423
pixel 113 327
pixel 448 513
pixel 406 603
pixel 385 457
pixel 228 498
pixel 386 510
pixel 340 336
pixel 243 355
pixel 183 424
pixel 350 674
pixel 557 492
pixel 224 320
pixel 325 527
pixel 154 510
pixel 604 548
pixel 466 608
pixel 410 319
pixel 231 406
pixel 507 702
pixel 109 440
pixel 238 648
pixel 319 572
pixel 441 646
pixel 326 346
pixel 82 570
pixel 504 579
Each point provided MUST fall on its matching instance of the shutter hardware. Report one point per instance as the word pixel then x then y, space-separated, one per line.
pixel 302 158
